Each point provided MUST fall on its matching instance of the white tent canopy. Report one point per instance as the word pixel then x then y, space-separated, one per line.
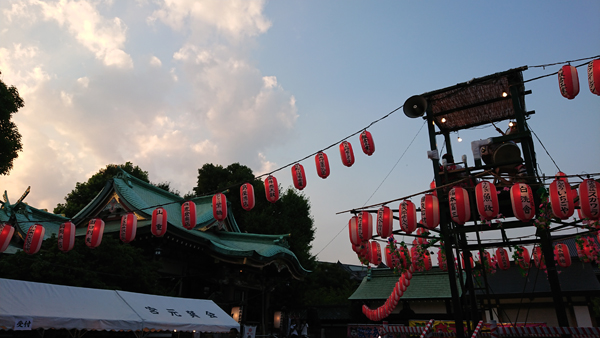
pixel 28 305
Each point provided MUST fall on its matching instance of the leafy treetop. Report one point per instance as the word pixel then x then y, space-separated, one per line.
pixel 10 138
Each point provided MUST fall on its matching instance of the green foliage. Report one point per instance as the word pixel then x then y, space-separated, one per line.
pixel 85 192
pixel 289 215
pixel 113 265
pixel 328 284
pixel 10 138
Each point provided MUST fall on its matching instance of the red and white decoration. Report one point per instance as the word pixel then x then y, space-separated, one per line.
pixel 524 259
pixel 538 258
pixel 34 239
pixel 430 211
pixel 502 259
pixel 95 230
pixel 6 233
pixel 66 236
pixel 568 81
pixel 299 176
pixel 353 229
pixel 522 202
pixel 247 196
pixel 366 142
pixel 408 216
pixel 128 227
pixel 593 73
pixel 385 222
pixel 219 206
pixel 460 208
pixel 561 199
pixel 322 164
pixel 562 255
pixel 391 260
pixel 159 222
pixel 188 214
pixel 486 197
pixel 588 199
pixel 346 153
pixel 365 226
pixel 375 253
pixel 271 189
pixel 442 263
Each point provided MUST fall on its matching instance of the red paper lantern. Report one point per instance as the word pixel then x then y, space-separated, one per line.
pixel 95 230
pixel 365 226
pixel 219 206
pixel 247 196
pixel 271 189
pixel 408 216
pixel 562 255
pixel 462 255
pixel 66 236
pixel 442 263
pixel 432 186
pixel 405 258
pixel 568 81
pixel 366 142
pixel 593 72
pixel 6 233
pixel 487 200
pixel 346 153
pixel 188 214
pixel 353 229
pixel 422 240
pixel 391 260
pixel 460 208
pixel 561 199
pixel 322 164
pixel 159 222
pixel 375 253
pixel 298 176
pixel 538 258
pixel 502 259
pixel 427 260
pixel 524 258
pixel 522 202
pixel 486 258
pixel 385 222
pixel 34 239
pixel 588 199
pixel 128 227
pixel 430 211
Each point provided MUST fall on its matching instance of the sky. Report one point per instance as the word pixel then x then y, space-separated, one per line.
pixel 172 85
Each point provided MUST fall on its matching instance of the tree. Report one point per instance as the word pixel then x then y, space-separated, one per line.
pixel 84 193
pixel 10 138
pixel 289 215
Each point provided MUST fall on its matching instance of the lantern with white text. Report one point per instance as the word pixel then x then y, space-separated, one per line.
pixel 523 259
pixel 568 81
pixel 562 255
pixel 66 236
pixel 298 176
pixel 589 199
pixel 430 211
pixel 442 263
pixel 247 196
pixel 128 227
pixel 271 189
pixel 365 226
pixel 375 253
pixel 385 221
pixel 408 216
pixel 460 208
pixel 561 199
pixel 346 153
pixel 538 258
pixel 593 73
pixel 353 229
pixel 487 200
pixel 188 214
pixel 219 206
pixel 521 199
pixel 366 142
pixel 322 164
pixel 502 259
pixel 159 222
pixel 34 239
pixel 6 233
pixel 95 230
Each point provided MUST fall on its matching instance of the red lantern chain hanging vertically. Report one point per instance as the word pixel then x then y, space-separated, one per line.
pixel 6 233
pixel 66 236
pixel 568 81
pixel 346 153
pixel 366 142
pixel 487 200
pixel 460 207
pixel 385 222
pixel 271 189
pixel 247 196
pixel 34 239
pixel 430 211
pixel 299 176
pixel 593 73
pixel 159 222
pixel 188 214
pixel 522 202
pixel 322 164
pixel 128 227
pixel 219 206
pixel 95 230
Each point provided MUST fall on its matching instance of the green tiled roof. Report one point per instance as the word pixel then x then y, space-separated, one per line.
pixel 26 216
pixel 433 284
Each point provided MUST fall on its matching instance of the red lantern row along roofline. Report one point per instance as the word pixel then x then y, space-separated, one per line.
pixel 568 79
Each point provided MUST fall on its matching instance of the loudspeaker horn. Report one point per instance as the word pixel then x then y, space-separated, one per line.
pixel 415 106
